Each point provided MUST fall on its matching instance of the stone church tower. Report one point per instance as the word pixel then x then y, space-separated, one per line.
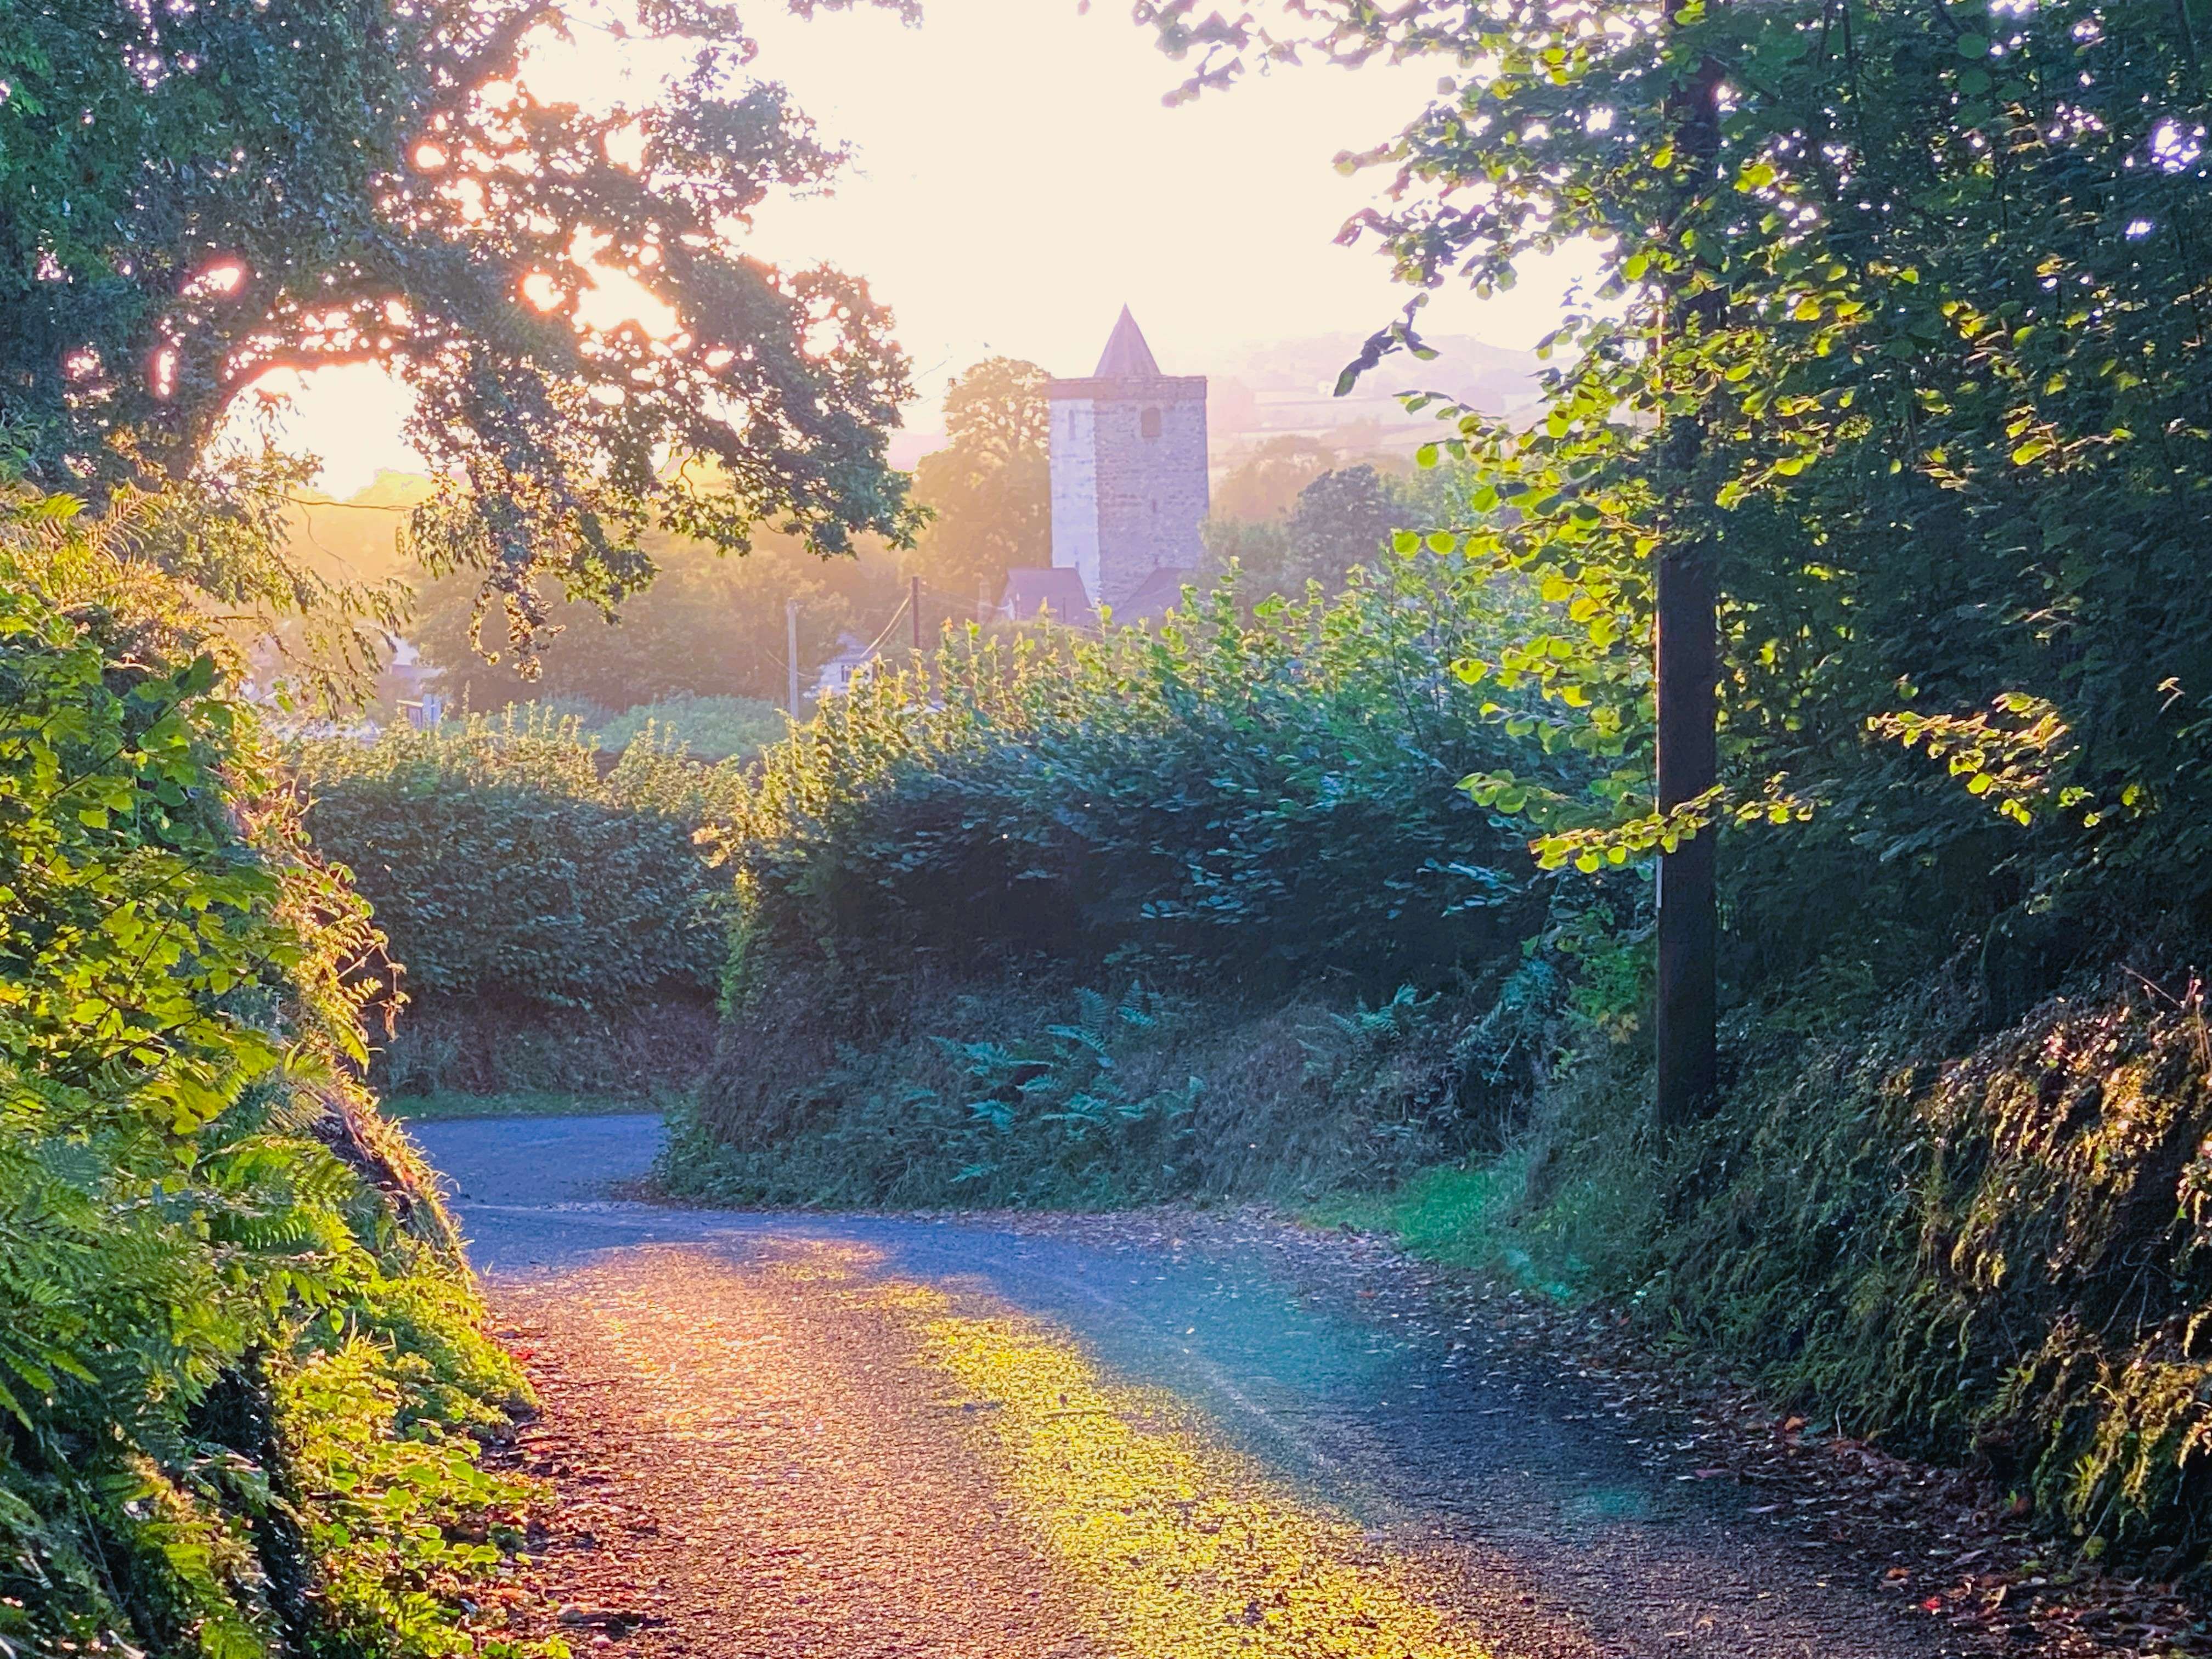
pixel 1128 470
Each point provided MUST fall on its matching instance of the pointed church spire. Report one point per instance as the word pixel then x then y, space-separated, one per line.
pixel 1126 356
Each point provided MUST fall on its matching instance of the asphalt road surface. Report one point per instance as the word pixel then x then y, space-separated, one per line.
pixel 811 1435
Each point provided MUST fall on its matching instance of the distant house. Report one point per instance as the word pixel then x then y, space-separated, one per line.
pixel 410 684
pixel 1158 593
pixel 1053 591
pixel 852 661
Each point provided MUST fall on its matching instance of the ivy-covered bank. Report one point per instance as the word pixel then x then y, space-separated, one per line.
pixel 1988 1246
pixel 243 1376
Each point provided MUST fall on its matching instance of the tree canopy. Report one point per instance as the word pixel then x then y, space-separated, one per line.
pixel 708 627
pixel 200 194
pixel 990 486
pixel 1345 517
pixel 1929 283
pixel 1263 484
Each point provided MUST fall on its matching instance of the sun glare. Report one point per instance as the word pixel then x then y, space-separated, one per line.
pixel 1015 180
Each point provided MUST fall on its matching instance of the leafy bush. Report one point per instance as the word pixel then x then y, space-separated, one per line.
pixel 200 1215
pixel 706 728
pixel 1261 800
pixel 504 863
pixel 1245 806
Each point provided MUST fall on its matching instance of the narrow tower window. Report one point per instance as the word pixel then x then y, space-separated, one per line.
pixel 1150 424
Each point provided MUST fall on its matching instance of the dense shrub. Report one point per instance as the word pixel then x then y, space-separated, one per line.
pixel 239 1358
pixel 1256 807
pixel 1264 800
pixel 504 861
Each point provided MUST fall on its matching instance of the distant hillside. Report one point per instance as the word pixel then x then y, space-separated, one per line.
pixel 1287 387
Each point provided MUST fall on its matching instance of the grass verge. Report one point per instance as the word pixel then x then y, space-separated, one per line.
pixel 1461 1215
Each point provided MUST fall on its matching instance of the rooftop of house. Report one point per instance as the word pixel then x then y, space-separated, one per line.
pixel 1158 594
pixel 1056 591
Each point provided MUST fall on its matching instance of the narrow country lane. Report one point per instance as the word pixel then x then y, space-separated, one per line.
pixel 857 1436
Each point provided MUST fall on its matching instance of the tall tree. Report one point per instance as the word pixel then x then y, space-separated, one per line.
pixel 990 486
pixel 199 194
pixel 1909 342
pixel 1343 518
pixel 1685 666
pixel 1263 484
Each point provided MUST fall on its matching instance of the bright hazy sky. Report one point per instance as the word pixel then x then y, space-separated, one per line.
pixel 1017 179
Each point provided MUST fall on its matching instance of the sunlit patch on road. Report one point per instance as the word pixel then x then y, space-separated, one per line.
pixel 823 1437
pixel 1186 1550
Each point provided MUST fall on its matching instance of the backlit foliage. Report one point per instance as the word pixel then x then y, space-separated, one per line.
pixel 234 1325
pixel 990 488
pixel 1930 297
pixel 200 194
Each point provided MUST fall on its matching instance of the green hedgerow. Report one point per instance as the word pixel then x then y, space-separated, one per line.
pixel 503 860
pixel 233 1316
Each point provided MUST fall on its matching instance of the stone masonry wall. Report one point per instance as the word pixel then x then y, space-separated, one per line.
pixel 1147 495
pixel 1075 489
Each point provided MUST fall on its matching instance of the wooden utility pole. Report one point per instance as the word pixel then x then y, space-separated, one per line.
pixel 1685 652
pixel 791 649
pixel 913 609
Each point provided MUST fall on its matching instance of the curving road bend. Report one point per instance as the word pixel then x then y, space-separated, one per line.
pixel 868 1437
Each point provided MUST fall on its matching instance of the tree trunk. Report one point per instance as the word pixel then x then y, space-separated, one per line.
pixel 1689 764
pixel 1685 647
